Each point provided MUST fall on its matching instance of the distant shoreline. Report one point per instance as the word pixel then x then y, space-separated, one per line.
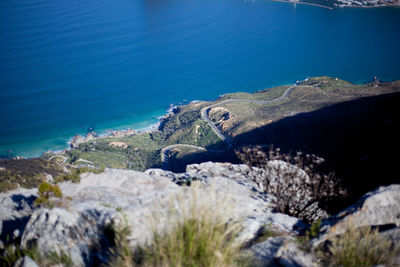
pixel 303 3
pixel 339 5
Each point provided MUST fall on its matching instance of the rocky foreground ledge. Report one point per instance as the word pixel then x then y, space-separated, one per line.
pixel 141 200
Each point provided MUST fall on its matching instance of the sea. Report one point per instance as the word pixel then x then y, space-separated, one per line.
pixel 67 67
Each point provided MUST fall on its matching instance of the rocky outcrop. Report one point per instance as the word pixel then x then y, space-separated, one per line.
pixel 280 251
pixel 15 210
pixel 123 133
pixel 141 201
pixel 221 117
pixel 76 141
pixel 90 136
pixel 378 208
pixel 100 199
pixel 79 234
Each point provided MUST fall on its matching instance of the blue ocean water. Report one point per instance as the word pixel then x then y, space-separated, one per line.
pixel 66 66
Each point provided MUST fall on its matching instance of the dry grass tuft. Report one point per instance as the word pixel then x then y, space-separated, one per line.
pixel 201 232
pixel 362 247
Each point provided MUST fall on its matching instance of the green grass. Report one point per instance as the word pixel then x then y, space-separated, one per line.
pixel 13 252
pixel 135 156
pixel 266 94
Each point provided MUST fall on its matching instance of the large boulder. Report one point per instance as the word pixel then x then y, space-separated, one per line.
pixel 15 210
pixel 380 208
pixel 78 235
pixel 76 141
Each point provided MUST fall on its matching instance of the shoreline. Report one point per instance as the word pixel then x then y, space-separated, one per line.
pixel 303 3
pixel 126 132
pixel 109 133
pixel 103 133
pixel 337 5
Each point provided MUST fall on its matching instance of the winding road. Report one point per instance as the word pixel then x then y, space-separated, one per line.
pixel 205 111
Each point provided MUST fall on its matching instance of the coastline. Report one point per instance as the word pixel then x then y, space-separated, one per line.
pixel 103 133
pixel 122 132
pixel 344 4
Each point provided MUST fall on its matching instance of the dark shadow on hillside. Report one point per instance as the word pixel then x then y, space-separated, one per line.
pixel 359 139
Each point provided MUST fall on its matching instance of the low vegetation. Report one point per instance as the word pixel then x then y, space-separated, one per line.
pixel 117 235
pixel 49 195
pixel 27 173
pixel 142 150
pixel 197 233
pixel 300 188
pixel 75 174
pixel 361 247
pixel 13 252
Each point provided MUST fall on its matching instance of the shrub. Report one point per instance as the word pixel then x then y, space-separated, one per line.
pixel 199 234
pixel 314 229
pixel 362 247
pixel 303 241
pixel 49 195
pixel 300 189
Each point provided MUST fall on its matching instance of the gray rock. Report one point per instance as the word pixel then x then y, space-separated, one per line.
pixel 289 255
pixel 76 141
pixel 144 200
pixel 394 236
pixel 178 178
pixel 235 177
pixel 280 251
pixel 211 169
pixel 49 178
pixel 15 209
pixel 25 262
pixel 377 208
pixel 263 254
pixel 61 231
pixel 285 223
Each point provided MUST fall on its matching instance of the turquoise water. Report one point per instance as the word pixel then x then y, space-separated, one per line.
pixel 66 66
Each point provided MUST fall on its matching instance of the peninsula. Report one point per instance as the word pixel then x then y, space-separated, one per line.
pixel 203 131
